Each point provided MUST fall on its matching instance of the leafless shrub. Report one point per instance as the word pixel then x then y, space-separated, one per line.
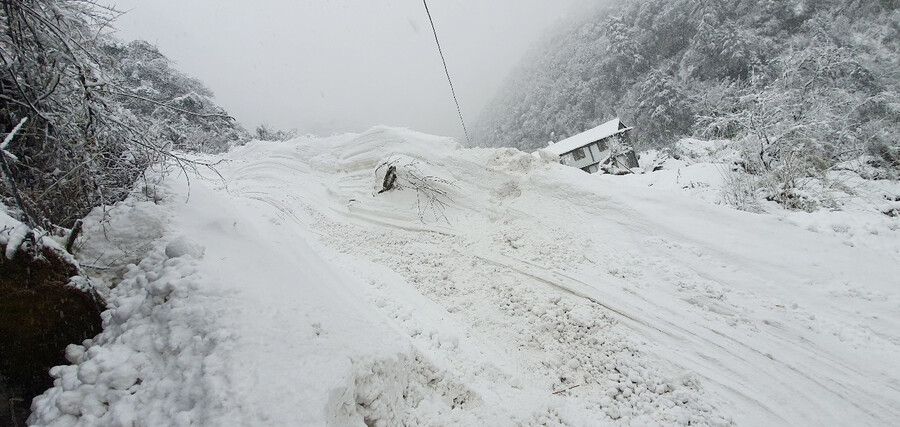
pixel 739 189
pixel 432 192
pixel 801 122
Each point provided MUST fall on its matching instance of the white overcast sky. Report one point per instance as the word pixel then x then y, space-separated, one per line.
pixel 345 65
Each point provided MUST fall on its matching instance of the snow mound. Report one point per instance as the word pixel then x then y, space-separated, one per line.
pixel 155 363
pixel 518 291
pixel 406 391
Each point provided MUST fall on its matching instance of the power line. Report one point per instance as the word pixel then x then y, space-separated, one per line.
pixel 447 71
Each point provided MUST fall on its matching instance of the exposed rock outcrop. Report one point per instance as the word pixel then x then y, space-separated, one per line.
pixel 40 314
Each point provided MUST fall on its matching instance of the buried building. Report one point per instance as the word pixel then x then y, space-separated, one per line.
pixel 605 147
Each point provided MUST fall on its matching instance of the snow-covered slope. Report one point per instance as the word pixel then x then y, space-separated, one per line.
pixel 503 290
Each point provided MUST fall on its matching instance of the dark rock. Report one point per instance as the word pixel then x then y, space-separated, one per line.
pixel 39 316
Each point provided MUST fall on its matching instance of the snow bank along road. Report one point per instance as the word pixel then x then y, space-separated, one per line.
pixel 523 293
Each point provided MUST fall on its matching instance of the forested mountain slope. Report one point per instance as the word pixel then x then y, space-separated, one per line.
pixel 821 75
pixel 180 108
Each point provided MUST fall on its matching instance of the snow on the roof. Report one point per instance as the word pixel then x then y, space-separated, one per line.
pixel 571 143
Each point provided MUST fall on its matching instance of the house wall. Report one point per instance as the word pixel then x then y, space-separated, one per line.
pixel 569 160
pixel 593 153
pixel 600 150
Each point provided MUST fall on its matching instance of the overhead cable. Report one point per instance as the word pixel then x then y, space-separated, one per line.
pixel 447 71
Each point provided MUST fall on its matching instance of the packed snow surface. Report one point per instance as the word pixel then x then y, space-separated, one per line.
pixel 488 287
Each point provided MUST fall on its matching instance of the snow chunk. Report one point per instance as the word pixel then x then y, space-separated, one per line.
pixel 547 156
pixel 182 245
pixel 16 238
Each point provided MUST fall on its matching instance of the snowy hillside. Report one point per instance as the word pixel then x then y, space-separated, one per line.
pixel 505 290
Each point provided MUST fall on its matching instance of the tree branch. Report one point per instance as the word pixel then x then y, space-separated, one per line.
pixel 162 104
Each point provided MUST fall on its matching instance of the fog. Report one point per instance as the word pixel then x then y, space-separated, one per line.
pixel 344 65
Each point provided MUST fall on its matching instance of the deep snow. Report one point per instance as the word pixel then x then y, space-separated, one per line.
pixel 288 292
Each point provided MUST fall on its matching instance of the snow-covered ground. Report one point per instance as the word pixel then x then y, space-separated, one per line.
pixel 517 292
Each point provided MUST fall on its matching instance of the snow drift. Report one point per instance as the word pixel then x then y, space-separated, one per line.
pixel 291 292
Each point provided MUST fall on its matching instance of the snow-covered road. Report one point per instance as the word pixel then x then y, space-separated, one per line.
pixel 524 292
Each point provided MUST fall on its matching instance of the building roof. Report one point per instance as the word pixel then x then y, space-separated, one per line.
pixel 573 143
